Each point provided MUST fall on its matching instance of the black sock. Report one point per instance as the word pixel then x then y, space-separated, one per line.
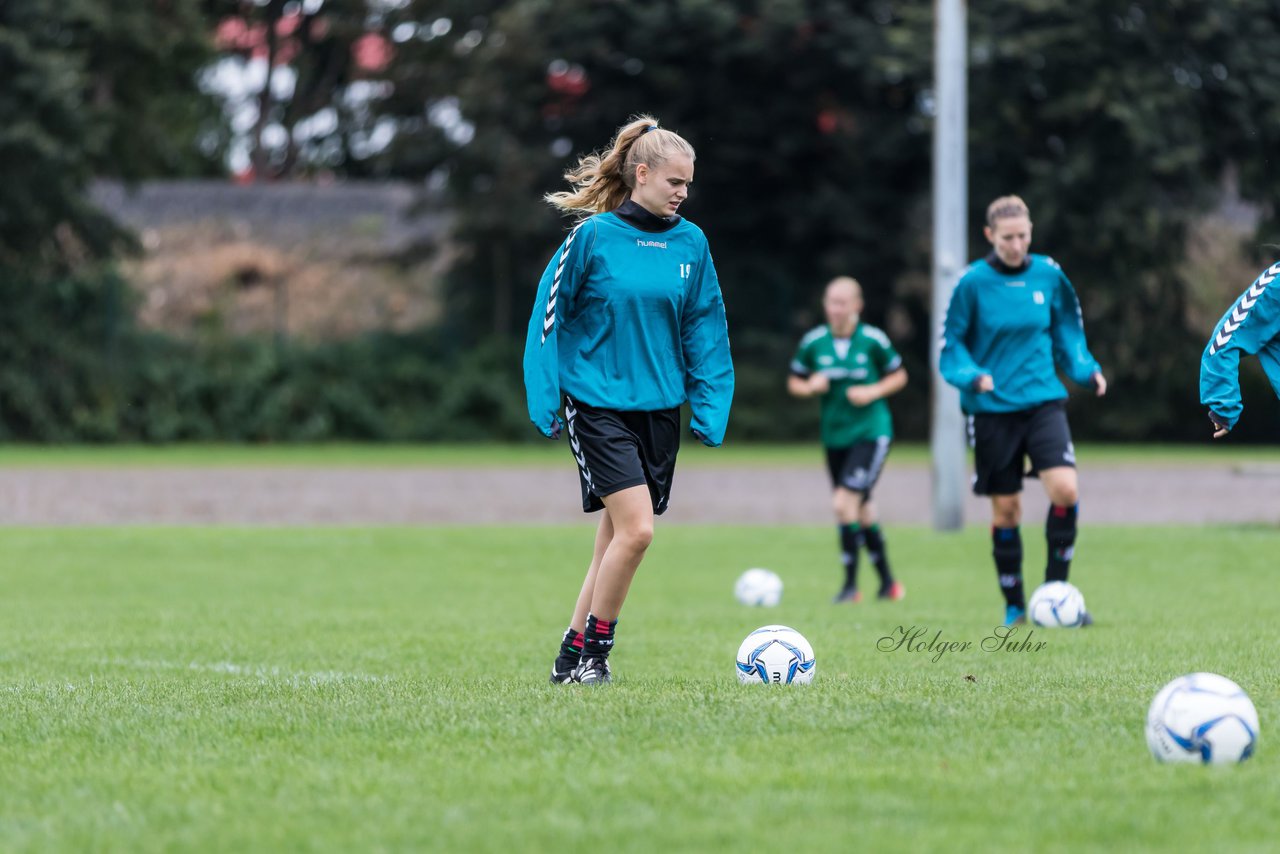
pixel 598 638
pixel 570 650
pixel 1060 531
pixel 849 536
pixel 1006 548
pixel 874 540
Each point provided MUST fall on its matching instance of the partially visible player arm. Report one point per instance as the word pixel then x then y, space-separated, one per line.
pixel 556 290
pixel 861 395
pixel 956 363
pixel 704 338
pixel 1070 350
pixel 1249 325
pixel 893 377
pixel 805 380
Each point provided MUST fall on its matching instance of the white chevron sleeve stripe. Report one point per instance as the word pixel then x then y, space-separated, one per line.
pixel 1242 308
pixel 550 321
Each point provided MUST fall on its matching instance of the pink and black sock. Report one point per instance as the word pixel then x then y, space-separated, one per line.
pixel 598 638
pixel 570 650
pixel 1060 532
pixel 1006 548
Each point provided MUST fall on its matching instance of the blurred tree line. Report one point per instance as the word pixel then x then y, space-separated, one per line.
pixel 1124 125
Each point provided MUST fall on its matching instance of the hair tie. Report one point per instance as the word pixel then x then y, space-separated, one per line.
pixel 648 128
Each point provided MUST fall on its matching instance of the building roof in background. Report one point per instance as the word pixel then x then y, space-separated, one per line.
pixel 384 216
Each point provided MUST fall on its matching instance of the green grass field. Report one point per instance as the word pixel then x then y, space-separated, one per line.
pixel 383 690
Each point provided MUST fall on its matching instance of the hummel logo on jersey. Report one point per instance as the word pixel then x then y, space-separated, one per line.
pixel 1038 296
pixel 656 244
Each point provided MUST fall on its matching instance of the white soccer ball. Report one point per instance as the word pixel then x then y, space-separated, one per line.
pixel 1202 717
pixel 758 587
pixel 1056 604
pixel 775 655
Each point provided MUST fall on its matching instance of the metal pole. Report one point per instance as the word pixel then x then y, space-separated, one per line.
pixel 950 230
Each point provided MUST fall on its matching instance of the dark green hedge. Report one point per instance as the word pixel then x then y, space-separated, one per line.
pixel 75 368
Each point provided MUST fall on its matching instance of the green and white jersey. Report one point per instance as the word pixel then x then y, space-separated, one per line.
pixel 863 358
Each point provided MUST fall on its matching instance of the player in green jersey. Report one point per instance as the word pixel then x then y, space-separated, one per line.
pixel 853 368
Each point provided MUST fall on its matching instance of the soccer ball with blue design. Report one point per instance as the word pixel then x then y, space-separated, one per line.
pixel 758 587
pixel 1056 604
pixel 1202 717
pixel 775 655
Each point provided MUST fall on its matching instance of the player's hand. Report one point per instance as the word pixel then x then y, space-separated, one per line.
pixel 860 395
pixel 1099 383
pixel 555 429
pixel 1219 429
pixel 819 384
pixel 984 384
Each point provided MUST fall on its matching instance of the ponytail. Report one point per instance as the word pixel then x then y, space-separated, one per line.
pixel 602 181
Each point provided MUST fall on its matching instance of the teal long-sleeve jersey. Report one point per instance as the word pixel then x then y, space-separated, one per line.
pixel 1250 327
pixel 1018 326
pixel 631 320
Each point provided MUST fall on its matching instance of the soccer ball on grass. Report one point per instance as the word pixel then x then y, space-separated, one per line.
pixel 1202 717
pixel 1056 604
pixel 758 587
pixel 775 655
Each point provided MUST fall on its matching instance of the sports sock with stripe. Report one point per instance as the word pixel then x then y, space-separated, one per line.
pixel 1006 548
pixel 850 538
pixel 598 638
pixel 570 650
pixel 874 539
pixel 1060 532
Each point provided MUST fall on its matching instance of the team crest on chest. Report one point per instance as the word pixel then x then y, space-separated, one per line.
pixel 1038 296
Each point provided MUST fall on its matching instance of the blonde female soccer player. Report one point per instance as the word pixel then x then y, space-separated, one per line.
pixel 628 324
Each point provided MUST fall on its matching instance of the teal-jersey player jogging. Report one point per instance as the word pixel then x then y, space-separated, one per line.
pixel 1251 327
pixel 630 320
pixel 995 325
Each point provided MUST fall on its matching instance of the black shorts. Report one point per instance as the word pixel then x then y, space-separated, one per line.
pixel 616 450
pixel 858 467
pixel 1001 440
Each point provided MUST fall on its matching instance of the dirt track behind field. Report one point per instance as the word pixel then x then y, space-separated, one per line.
pixel 347 496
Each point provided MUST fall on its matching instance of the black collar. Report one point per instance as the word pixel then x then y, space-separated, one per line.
pixel 633 214
pixel 1001 267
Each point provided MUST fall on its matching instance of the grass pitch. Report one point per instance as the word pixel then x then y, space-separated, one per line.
pixel 384 689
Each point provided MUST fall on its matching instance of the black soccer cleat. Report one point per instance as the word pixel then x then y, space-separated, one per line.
pixel 851 595
pixel 593 671
pixel 562 669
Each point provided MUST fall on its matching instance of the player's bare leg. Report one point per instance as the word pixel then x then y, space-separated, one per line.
pixel 631 516
pixel 572 642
